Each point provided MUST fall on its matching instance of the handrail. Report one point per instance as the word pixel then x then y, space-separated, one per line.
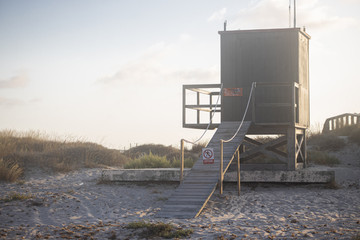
pixel 222 141
pixel 201 89
pixel 182 142
pixel 341 121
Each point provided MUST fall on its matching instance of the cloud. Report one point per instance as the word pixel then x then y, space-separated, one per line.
pixel 19 81
pixel 10 102
pixel 154 66
pixel 35 100
pixel 197 74
pixel 142 68
pixel 218 15
pixel 275 13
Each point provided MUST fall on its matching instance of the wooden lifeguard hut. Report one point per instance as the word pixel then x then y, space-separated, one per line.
pixel 277 61
pixel 264 90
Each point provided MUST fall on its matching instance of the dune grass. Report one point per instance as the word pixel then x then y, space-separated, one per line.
pixel 326 141
pixel 160 229
pixel 9 171
pixel 14 196
pixel 19 150
pixel 332 141
pixel 155 161
pixel 354 136
pixel 322 158
pixel 160 156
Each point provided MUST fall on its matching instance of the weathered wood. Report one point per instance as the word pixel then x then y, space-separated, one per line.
pixel 238 171
pixel 266 149
pixel 182 160
pixel 291 143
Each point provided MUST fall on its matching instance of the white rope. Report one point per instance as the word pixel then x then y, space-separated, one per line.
pixel 253 85
pixel 208 126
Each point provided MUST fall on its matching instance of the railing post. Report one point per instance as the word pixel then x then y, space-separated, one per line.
pixel 238 171
pixel 182 161
pixel 198 111
pixel 210 116
pixel 221 165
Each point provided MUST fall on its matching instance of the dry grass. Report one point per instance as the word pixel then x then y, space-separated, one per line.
pixel 9 171
pixel 322 158
pixel 162 230
pixel 155 161
pixel 32 149
pixel 14 196
pixel 165 156
pixel 328 141
pixel 355 135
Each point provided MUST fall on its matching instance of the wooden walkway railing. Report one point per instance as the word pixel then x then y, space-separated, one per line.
pixel 340 121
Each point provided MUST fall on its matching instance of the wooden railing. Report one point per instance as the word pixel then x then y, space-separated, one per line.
pixel 271 106
pixel 341 121
pixel 202 90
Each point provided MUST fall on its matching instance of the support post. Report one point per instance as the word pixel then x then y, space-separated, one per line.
pixel 198 111
pixel 238 171
pixel 210 101
pixel 182 161
pixel 291 149
pixel 221 165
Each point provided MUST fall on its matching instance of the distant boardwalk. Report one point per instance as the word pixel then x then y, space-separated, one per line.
pixel 340 121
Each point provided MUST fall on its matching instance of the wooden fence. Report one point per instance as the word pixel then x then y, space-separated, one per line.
pixel 340 121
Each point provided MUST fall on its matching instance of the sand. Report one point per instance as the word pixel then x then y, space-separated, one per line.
pixel 75 205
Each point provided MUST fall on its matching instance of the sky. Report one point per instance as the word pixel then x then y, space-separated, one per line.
pixel 111 72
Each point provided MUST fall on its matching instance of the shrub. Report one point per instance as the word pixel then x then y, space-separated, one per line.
pixel 188 163
pixel 156 149
pixel 14 196
pixel 172 154
pixel 154 161
pixel 322 158
pixel 148 161
pixel 197 148
pixel 346 130
pixel 9 171
pixel 327 142
pixel 165 230
pixel 355 136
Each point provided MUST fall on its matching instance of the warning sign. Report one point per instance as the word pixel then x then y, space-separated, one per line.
pixel 208 155
pixel 233 92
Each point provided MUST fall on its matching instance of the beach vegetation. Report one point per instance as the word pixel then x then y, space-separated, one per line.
pixel 10 171
pixel 322 158
pixel 32 149
pixel 346 130
pixel 171 153
pixel 326 142
pixel 159 229
pixel 197 148
pixel 148 161
pixel 355 136
pixel 15 196
pixel 151 160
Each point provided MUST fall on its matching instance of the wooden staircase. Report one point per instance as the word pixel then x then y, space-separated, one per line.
pixel 191 196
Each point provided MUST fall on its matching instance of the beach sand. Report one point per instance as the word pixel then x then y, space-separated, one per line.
pixel 76 205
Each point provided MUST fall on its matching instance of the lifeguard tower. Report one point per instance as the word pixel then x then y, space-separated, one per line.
pixel 264 90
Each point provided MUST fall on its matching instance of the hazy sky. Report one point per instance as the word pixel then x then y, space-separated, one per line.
pixel 112 71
